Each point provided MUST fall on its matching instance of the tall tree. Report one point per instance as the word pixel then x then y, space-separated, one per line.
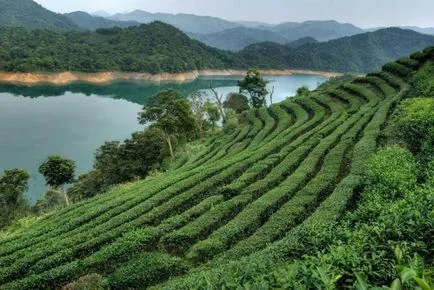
pixel 212 112
pixel 170 111
pixel 197 101
pixel 219 99
pixel 13 184
pixel 58 171
pixel 256 86
pixel 237 102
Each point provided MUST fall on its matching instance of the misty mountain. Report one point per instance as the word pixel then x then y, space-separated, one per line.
pixel 320 30
pixel 31 15
pixel 302 41
pixel 89 22
pixel 101 13
pixel 186 22
pixel 359 53
pixel 236 39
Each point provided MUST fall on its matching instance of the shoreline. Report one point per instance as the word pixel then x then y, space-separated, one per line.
pixel 66 78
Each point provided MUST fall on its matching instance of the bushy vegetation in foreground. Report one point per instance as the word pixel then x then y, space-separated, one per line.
pixel 318 192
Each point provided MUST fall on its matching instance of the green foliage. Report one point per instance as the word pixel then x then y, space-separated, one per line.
pixel 88 282
pixel 336 82
pixel 254 85
pixel 57 171
pixel 117 162
pixel 392 169
pixel 145 270
pixel 237 102
pixel 414 122
pixel 52 199
pixel 303 91
pixel 13 184
pixel 212 112
pixel 160 48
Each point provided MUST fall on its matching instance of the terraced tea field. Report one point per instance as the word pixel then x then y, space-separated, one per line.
pixel 245 198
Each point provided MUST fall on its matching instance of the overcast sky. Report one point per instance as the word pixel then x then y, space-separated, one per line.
pixel 364 13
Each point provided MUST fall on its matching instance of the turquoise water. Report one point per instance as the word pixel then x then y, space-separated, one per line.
pixel 75 120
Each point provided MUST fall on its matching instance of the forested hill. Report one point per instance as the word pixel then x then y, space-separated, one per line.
pixel 29 14
pixel 159 47
pixel 359 53
pixel 153 48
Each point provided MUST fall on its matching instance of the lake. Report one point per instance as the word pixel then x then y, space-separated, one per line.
pixel 74 120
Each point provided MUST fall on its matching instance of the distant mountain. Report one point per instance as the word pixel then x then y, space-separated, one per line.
pixel 236 39
pixel 359 53
pixel 302 41
pixel 89 22
pixel 423 30
pixel 320 30
pixel 253 24
pixel 101 13
pixel 31 15
pixel 186 22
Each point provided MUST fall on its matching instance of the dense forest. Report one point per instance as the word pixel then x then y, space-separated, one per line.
pixel 159 47
pixel 155 47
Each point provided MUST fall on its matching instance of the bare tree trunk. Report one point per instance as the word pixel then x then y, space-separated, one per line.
pixel 62 188
pixel 219 99
pixel 271 95
pixel 169 142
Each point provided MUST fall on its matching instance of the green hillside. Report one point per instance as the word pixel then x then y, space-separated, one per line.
pixel 31 15
pixel 159 47
pixel 155 47
pixel 251 202
pixel 358 53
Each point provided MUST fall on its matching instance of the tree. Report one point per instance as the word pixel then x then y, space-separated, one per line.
pixel 197 106
pixel 303 91
pixel 13 184
pixel 58 171
pixel 271 93
pixel 171 112
pixel 237 102
pixel 219 99
pixel 213 113
pixel 256 86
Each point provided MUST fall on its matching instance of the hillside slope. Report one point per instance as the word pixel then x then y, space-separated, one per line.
pixel 358 53
pixel 31 15
pixel 245 198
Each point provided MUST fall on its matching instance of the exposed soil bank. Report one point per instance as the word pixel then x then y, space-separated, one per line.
pixel 65 78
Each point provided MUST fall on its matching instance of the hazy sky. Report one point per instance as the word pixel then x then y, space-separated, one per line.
pixel 364 13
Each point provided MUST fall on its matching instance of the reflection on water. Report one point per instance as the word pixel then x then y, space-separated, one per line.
pixel 135 92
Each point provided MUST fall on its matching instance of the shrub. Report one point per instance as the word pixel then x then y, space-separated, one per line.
pixel 146 270
pixel 88 282
pixel 392 168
